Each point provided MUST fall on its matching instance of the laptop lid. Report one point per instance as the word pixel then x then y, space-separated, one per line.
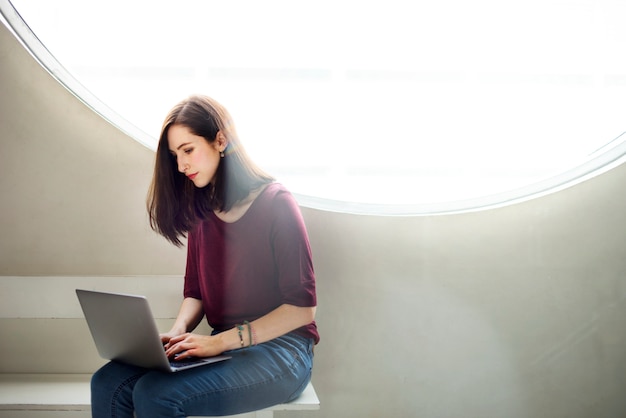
pixel 124 330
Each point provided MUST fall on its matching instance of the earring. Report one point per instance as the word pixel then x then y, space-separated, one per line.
pixel 222 154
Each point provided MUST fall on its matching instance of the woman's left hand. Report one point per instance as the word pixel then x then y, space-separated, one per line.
pixel 193 345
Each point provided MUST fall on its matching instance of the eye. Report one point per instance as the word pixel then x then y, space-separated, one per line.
pixel 188 150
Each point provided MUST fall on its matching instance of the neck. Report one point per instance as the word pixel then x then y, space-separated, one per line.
pixel 240 208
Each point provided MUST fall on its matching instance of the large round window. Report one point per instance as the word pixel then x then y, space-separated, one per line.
pixel 391 104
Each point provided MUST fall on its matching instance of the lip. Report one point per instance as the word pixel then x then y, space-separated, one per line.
pixel 192 176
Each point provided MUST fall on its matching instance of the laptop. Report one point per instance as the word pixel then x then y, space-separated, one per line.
pixel 123 329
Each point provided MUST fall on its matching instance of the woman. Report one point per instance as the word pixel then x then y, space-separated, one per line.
pixel 249 271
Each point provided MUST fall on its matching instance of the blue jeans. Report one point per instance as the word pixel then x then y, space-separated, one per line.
pixel 255 378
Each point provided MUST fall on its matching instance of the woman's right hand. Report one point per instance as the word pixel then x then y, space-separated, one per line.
pixel 194 345
pixel 166 337
pixel 189 316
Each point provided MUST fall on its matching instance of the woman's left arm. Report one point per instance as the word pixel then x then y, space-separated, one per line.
pixel 272 325
pixel 280 321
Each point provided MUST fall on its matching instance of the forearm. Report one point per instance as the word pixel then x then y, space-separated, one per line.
pixel 189 315
pixel 280 321
pixel 276 323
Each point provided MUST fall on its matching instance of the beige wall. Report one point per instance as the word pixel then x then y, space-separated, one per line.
pixel 72 186
pixel 512 312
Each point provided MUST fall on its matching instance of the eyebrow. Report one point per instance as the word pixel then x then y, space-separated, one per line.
pixel 180 146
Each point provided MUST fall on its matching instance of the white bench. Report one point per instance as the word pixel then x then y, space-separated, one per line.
pixel 41 395
pixel 48 356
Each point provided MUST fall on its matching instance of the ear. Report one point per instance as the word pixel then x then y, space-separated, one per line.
pixel 221 142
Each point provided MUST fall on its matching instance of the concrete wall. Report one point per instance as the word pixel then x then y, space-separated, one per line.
pixel 72 186
pixel 511 312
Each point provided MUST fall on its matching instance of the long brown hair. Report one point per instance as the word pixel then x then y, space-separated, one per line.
pixel 174 204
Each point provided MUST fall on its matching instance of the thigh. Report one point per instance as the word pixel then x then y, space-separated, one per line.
pixel 255 378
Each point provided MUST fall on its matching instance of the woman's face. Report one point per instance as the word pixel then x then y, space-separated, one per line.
pixel 195 156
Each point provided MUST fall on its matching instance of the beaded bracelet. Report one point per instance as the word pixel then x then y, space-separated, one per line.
pixel 239 330
pixel 250 331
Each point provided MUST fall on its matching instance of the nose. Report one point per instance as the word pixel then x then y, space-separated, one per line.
pixel 182 164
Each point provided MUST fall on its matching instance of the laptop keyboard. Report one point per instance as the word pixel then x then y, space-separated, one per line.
pixel 183 363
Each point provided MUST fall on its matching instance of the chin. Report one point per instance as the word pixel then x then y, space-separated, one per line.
pixel 201 184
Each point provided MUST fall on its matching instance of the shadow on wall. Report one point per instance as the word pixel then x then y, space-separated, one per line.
pixel 400 342
pixel 441 357
pixel 513 312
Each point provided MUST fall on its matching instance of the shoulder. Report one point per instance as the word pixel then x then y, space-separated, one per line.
pixel 275 192
pixel 277 195
pixel 275 204
pixel 275 189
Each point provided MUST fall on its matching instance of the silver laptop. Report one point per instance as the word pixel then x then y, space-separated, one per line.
pixel 123 329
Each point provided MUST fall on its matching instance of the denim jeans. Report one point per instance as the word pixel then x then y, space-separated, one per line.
pixel 255 378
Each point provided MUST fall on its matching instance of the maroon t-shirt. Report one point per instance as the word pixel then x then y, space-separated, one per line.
pixel 245 269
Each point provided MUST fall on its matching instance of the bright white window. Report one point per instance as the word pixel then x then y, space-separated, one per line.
pixel 417 104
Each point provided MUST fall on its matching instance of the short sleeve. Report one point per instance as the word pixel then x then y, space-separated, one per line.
pixel 292 252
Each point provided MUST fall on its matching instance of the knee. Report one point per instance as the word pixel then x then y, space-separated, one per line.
pixel 111 388
pixel 144 395
pixel 97 379
pixel 152 397
pixel 107 378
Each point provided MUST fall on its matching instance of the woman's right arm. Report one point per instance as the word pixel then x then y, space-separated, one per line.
pixel 189 316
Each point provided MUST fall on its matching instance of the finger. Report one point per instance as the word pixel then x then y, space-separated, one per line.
pixel 172 350
pixel 182 355
pixel 178 348
pixel 178 338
